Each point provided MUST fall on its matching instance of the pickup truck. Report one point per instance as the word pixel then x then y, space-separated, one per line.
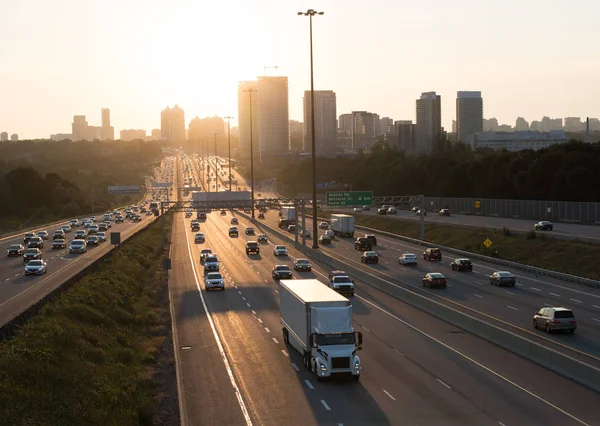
pixel 341 283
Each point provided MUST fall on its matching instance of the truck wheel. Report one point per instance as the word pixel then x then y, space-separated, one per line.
pixel 286 336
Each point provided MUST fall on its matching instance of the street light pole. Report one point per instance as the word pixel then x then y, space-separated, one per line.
pixel 229 145
pixel 310 13
pixel 216 163
pixel 250 90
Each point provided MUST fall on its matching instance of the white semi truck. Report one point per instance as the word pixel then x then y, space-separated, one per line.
pixel 342 225
pixel 317 322
pixel 289 213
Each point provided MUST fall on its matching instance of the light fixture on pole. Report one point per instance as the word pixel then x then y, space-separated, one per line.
pixel 310 13
pixel 216 162
pixel 250 90
pixel 229 146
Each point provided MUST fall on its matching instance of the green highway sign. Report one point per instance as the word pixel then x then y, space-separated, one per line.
pixel 349 198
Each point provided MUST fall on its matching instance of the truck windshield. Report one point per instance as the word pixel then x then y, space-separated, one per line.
pixel 326 339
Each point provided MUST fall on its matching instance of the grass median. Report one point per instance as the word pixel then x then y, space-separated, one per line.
pixel 532 248
pixel 96 354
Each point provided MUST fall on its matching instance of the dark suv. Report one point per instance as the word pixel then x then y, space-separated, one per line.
pixel 252 247
pixel 432 254
pixel 461 265
pixel 372 238
pixel 283 223
pixel 363 244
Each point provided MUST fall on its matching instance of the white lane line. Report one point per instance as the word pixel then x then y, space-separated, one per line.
pixel 275 340
pixel 257 273
pixel 267 330
pixel 309 384
pixel 476 272
pixel 295 367
pixel 325 405
pixel 452 274
pixel 548 304
pixel 554 294
pixel 235 286
pixel 520 285
pixel 276 291
pixel 512 307
pixel 388 394
pixel 253 312
pixel 366 329
pixel 576 301
pixel 397 351
pixel 266 281
pixel 236 389
pixel 248 305
pixel 283 351
pixel 535 289
pixel 16 275
pixel 8 279
pixel 449 285
pixel 594 319
pixel 447 386
pixel 477 363
pixel 478 283
pixel 243 298
pixel 259 320
pixel 387 263
pixel 476 295
pixel 501 424
pixel 508 292
pixel 596 306
pixel 239 292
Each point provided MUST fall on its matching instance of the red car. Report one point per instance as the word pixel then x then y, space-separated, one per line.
pixel 434 279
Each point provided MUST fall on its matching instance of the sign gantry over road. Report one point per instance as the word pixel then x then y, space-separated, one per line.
pixel 349 198
pixel 131 189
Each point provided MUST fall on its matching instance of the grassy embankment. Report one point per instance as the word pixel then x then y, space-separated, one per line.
pixel 535 249
pixel 91 356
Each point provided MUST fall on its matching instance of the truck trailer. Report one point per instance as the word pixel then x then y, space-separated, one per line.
pixel 289 213
pixel 342 225
pixel 317 322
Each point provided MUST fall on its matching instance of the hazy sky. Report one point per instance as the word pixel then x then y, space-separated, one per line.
pixel 63 57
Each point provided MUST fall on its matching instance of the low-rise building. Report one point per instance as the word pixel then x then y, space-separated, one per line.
pixel 516 141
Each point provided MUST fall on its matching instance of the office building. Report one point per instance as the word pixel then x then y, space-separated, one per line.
pixel 273 116
pixel 364 130
pixel 107 132
pixel 516 141
pixel 345 124
pixel 429 122
pixel 247 107
pixel 14 137
pixel 325 121
pixel 401 135
pixel 490 124
pixel 61 136
pixel 521 124
pixel 155 134
pixel 172 124
pixel 133 134
pixel 79 128
pixel 296 136
pixel 384 123
pixel 206 127
pixel 93 133
pixel 469 113
pixel 4 136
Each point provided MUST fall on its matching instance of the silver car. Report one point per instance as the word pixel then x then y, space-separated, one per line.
pixel 36 267
pixel 78 246
pixel 280 251
pixel 555 319
pixel 214 280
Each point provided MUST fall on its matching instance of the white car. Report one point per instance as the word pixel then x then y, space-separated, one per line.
pixel 214 280
pixel 280 251
pixel 392 210
pixel 78 246
pixel 357 209
pixel 407 259
pixel 74 222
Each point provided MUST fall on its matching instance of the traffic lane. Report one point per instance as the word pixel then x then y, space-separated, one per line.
pixel 491 398
pixel 265 374
pixel 208 396
pixel 561 229
pixel 530 281
pixel 513 306
pixel 20 292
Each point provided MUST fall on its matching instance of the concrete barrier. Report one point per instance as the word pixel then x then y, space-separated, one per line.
pixel 544 356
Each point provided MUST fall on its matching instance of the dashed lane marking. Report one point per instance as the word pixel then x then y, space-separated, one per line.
pixel 447 386
pixel 267 330
pixel 594 319
pixel 477 295
pixel 283 351
pixel 325 405
pixel 554 294
pixel 253 312
pixel 388 394
pixel 575 300
pixel 248 305
pixel 295 367
pixel 512 307
pixel 508 292
pixel 239 292
pixel 535 289
pixel 309 384
pixel 275 340
pixel 259 320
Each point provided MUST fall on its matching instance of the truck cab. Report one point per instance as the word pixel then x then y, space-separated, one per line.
pixel 342 284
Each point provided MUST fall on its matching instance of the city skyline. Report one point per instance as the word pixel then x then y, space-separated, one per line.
pixel 510 78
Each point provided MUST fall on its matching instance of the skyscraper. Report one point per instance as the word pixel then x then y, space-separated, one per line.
pixel 14 137
pixel 206 127
pixel 172 124
pixel 364 130
pixel 244 116
pixel 429 121
pixel 4 136
pixel 325 121
pixel 345 123
pixel 521 124
pixel 469 114
pixel 401 135
pixel 273 116
pixel 107 132
pixel 79 128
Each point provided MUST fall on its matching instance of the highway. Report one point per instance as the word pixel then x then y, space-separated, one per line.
pixel 416 368
pixel 590 233
pixel 18 292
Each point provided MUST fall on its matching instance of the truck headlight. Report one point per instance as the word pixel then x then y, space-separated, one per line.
pixel 357 365
pixel 323 368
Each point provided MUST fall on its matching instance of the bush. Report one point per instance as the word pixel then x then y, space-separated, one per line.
pixel 530 235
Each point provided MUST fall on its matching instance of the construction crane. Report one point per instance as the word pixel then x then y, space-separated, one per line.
pixel 267 66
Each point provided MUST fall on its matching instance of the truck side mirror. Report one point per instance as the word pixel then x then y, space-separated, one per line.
pixel 359 338
pixel 313 340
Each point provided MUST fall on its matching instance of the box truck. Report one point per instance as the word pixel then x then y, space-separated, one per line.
pixel 317 322
pixel 342 225
pixel 289 213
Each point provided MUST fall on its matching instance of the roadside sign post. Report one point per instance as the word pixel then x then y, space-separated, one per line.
pixel 487 243
pixel 349 198
pixel 115 238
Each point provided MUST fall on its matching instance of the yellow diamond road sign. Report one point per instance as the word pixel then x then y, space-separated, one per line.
pixel 477 204
pixel 487 243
